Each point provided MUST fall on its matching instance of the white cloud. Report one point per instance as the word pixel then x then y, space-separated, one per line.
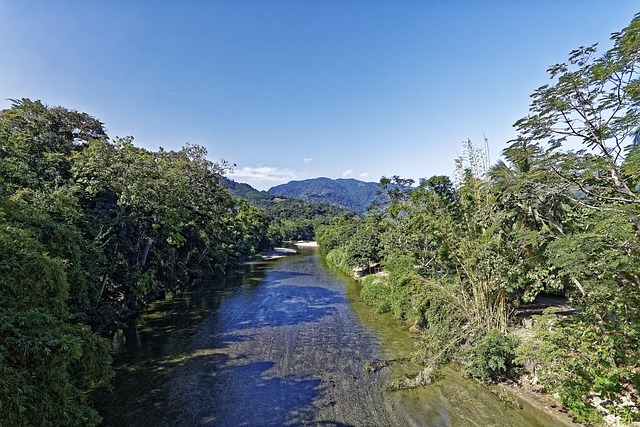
pixel 347 173
pixel 364 175
pixel 264 177
pixel 307 160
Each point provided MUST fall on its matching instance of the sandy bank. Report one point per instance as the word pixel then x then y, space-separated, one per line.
pixel 274 253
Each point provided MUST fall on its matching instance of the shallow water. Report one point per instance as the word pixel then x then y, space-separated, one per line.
pixel 286 343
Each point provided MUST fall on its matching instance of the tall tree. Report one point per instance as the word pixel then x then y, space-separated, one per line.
pixel 37 143
pixel 49 359
pixel 594 100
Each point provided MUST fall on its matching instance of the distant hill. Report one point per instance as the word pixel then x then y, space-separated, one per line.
pixel 350 194
pixel 257 198
pixel 295 218
pixel 281 206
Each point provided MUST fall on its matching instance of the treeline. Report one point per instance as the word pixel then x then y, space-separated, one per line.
pixel 460 260
pixel 91 231
pixel 291 219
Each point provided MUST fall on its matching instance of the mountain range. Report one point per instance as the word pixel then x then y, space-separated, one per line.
pixel 349 194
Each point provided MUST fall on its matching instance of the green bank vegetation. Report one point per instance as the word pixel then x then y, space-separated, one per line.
pixel 91 231
pixel 462 259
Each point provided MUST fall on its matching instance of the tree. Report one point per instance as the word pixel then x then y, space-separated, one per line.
pixel 37 143
pixel 363 247
pixel 531 209
pixel 49 358
pixel 595 101
pixel 91 231
pixel 158 216
pixel 48 361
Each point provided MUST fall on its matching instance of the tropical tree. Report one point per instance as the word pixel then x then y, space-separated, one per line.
pixel 593 101
pixel 91 231
pixel 48 361
pixel 49 358
pixel 37 143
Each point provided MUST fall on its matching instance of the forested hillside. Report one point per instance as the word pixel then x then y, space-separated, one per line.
pixel 291 219
pixel 462 259
pixel 349 194
pixel 91 231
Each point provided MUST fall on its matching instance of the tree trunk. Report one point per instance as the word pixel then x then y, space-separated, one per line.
pixel 145 251
pixel 131 335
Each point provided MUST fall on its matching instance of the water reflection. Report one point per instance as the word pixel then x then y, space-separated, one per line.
pixel 281 344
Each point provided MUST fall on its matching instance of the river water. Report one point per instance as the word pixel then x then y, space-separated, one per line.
pixel 285 343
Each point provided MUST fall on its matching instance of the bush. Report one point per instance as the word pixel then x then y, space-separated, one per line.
pixel 543 351
pixel 377 293
pixel 574 396
pixel 339 258
pixel 443 322
pixel 401 292
pixel 492 357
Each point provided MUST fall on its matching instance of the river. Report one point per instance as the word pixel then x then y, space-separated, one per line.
pixel 285 343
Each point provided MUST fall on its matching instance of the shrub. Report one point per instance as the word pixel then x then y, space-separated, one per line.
pixel 492 357
pixel 443 322
pixel 377 293
pixel 339 258
pixel 401 292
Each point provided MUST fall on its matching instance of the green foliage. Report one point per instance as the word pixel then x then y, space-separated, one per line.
pixel 377 293
pixel 574 396
pixel 363 247
pixel 399 292
pixel 593 99
pixel 442 323
pixel 492 356
pixel 161 217
pixel 36 143
pixel 335 234
pixel 91 231
pixel 574 358
pixel 339 258
pixel 544 351
pixel 460 260
pixel 47 363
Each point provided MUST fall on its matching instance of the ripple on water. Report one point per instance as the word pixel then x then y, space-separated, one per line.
pixel 290 349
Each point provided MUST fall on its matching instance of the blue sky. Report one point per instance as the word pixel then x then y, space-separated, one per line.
pixel 299 89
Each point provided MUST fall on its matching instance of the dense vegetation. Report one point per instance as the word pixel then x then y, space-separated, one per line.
pixel 349 194
pixel 290 219
pixel 91 231
pixel 461 259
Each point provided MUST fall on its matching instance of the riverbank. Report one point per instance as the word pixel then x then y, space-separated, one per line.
pixel 309 244
pixel 537 400
pixel 512 393
pixel 277 253
pixel 274 253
